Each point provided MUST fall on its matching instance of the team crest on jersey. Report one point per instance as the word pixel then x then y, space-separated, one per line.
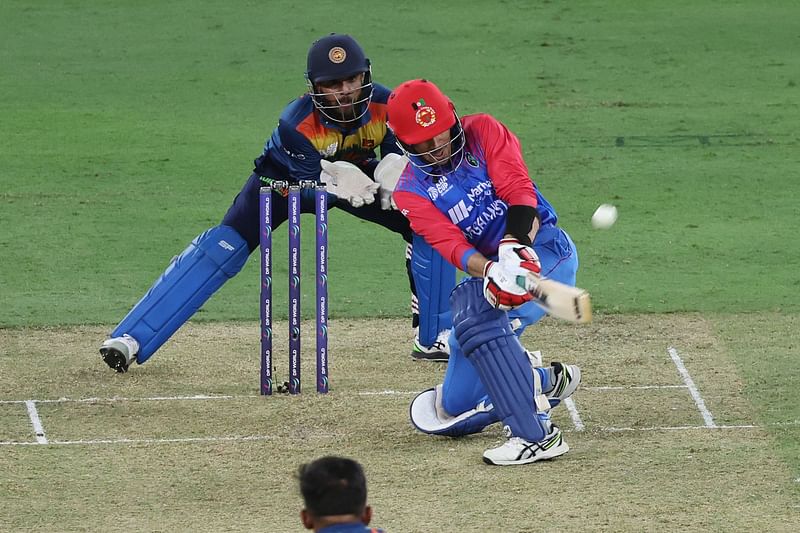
pixel 368 144
pixel 337 55
pixel 330 150
pixel 472 160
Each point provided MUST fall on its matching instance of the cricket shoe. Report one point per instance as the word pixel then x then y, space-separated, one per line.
pixel 438 351
pixel 119 352
pixel 567 379
pixel 518 451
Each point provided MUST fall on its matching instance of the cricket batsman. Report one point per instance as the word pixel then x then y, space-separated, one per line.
pixel 468 194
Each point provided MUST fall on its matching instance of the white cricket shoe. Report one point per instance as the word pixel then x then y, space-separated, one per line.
pixel 119 352
pixel 518 451
pixel 438 351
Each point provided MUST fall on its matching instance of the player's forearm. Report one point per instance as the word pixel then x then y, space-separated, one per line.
pixel 476 263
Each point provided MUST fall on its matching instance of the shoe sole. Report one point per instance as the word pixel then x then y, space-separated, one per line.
pixel 436 357
pixel 115 359
pixel 552 453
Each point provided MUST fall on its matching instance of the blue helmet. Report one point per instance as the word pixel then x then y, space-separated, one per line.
pixel 338 57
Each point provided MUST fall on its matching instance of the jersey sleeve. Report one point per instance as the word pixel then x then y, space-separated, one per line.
pixel 503 155
pixel 433 226
pixel 290 149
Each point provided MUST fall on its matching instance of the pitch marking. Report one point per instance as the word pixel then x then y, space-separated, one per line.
pixel 687 379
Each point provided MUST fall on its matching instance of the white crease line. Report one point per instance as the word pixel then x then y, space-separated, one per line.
pixel 36 422
pixel 388 393
pixel 573 413
pixel 193 397
pixel 698 400
pixel 177 440
pixel 680 428
pixel 328 436
pixel 124 399
pixel 635 387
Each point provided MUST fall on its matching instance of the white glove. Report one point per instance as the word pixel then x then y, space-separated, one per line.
pixel 386 174
pixel 512 254
pixel 348 182
pixel 504 287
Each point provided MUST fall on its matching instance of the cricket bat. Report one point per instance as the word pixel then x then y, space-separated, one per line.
pixel 563 301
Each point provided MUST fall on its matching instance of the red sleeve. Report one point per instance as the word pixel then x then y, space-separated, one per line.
pixel 433 226
pixel 503 155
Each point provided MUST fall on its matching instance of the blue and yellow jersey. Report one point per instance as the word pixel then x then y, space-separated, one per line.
pixel 304 137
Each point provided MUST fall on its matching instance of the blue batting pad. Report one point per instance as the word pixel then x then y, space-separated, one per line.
pixel 434 279
pixel 212 258
pixel 485 336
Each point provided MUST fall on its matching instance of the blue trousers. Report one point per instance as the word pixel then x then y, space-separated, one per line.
pixel 462 389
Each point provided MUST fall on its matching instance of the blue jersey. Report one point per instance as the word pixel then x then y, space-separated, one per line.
pixel 304 137
pixel 354 527
pixel 465 211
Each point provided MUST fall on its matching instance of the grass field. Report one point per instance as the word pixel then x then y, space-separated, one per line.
pixel 126 128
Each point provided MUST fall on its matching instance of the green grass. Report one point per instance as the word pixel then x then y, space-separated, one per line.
pixel 122 120
pixel 126 128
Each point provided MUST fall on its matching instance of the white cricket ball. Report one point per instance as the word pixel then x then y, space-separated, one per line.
pixel 604 217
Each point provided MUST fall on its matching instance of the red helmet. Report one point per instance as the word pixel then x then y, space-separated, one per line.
pixel 419 111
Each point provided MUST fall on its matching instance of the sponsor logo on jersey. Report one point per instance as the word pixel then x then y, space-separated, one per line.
pixel 330 150
pixel 288 152
pixel 473 162
pixel 494 211
pixel 368 144
pixel 483 188
pixel 458 212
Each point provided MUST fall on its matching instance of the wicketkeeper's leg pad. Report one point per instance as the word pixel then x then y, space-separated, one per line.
pixel 428 416
pixel 212 258
pixel 484 334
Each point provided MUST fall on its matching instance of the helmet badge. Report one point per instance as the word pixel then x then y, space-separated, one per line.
pixel 426 116
pixel 337 55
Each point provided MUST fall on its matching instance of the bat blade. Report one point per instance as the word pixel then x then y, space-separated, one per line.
pixel 563 301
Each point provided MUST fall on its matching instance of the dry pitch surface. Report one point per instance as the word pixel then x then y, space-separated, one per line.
pixel 661 433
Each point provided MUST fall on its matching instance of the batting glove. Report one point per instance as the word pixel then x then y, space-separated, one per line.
pixel 515 255
pixel 504 288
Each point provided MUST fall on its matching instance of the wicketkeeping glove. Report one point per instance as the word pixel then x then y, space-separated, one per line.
pixel 387 173
pixel 348 182
pixel 504 287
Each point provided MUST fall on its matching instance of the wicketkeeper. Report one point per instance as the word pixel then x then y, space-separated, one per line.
pixel 330 135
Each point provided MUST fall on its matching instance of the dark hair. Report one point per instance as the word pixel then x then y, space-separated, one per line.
pixel 333 486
